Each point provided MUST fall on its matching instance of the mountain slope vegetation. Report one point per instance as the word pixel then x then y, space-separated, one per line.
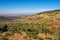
pixel 8 18
pixel 41 26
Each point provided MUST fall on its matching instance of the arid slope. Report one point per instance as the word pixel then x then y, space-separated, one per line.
pixel 41 26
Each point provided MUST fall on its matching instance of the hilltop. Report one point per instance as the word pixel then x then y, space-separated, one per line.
pixel 40 26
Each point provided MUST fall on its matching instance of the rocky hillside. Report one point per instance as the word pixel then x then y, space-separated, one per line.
pixel 41 26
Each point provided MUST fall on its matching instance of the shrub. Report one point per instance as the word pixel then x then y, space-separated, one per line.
pixel 40 38
pixel 48 38
pixel 4 28
pixel 32 33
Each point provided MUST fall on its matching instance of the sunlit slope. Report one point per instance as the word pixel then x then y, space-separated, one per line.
pixel 41 26
pixel 48 18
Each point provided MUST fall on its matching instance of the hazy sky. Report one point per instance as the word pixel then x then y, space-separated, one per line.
pixel 26 6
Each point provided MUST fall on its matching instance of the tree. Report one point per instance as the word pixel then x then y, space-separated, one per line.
pixel 4 28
